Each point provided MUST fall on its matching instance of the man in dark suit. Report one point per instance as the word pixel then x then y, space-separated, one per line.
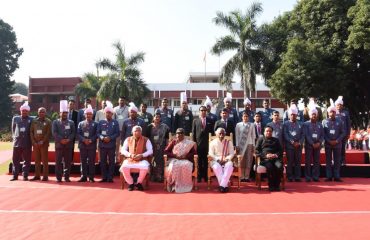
pixel 226 123
pixel 258 125
pixel 202 126
pixel 73 115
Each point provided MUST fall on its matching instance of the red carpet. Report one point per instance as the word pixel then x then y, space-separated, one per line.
pixel 38 210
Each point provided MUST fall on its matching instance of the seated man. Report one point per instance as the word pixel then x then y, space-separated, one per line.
pixel 136 148
pixel 269 150
pixel 180 152
pixel 222 152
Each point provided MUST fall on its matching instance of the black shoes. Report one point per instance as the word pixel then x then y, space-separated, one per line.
pixel 91 180
pixel 25 178
pixel 316 180
pixel 67 180
pixel 13 179
pixel 223 189
pixel 338 180
pixel 139 187
pixel 35 178
pixel 103 180
pixel 328 179
pixel 59 180
pixel 45 179
pixel 131 187
pixel 83 179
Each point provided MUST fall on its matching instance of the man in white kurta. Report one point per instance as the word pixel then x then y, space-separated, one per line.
pixel 222 152
pixel 137 149
pixel 245 136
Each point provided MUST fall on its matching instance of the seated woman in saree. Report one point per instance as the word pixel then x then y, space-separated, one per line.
pixel 180 152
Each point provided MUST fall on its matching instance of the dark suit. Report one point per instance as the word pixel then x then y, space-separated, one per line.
pixel 73 115
pixel 200 136
pixel 229 127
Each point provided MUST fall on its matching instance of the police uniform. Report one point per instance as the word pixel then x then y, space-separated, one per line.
pixel 40 136
pixel 314 133
pixel 333 130
pixel 266 116
pixel 147 117
pixel 166 117
pixel 22 148
pixel 183 119
pixel 87 130
pixel 107 129
pixel 293 132
pixel 63 129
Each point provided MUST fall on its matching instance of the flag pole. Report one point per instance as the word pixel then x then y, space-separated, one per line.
pixel 205 66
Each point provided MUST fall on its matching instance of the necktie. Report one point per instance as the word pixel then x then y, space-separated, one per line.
pixel 259 128
pixel 203 123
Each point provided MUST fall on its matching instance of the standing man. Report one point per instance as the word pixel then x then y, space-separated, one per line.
pixel 277 127
pixel 221 151
pixel 166 114
pixel 226 123
pixel 344 116
pixel 100 115
pixel 266 113
pixel 22 147
pixel 202 126
pixel 334 134
pixel 108 131
pixel 121 113
pixel 245 135
pixel 258 125
pixel 247 108
pixel 81 112
pixel 293 137
pixel 131 122
pixel 64 132
pixel 86 134
pixel 40 136
pixel 147 117
pixel 183 117
pixel 73 115
pixel 232 113
pixel 314 136
pixel 300 117
pixel 211 116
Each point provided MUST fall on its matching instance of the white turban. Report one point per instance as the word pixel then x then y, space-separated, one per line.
pixel 25 106
pixel 63 106
pixel 247 101
pixel 88 109
pixel 228 97
pixel 339 100
pixel 208 102
pixel 109 107
pixel 312 107
pixel 132 107
pixel 293 109
pixel 332 108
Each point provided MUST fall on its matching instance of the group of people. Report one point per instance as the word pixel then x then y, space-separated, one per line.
pixel 143 140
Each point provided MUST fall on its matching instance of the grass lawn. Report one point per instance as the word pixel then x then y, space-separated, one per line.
pixel 6 146
pixel 4 167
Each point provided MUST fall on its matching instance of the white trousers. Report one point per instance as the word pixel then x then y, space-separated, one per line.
pixel 126 167
pixel 223 173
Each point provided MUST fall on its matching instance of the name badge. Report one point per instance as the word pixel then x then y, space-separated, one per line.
pixel 298 118
pixel 332 131
pixel 156 138
pixel 187 118
pixel 314 135
pixel 22 129
pixel 104 132
pixel 39 131
pixel 86 134
pixel 169 115
pixel 293 133
pixel 120 117
pixel 67 127
pixel 146 120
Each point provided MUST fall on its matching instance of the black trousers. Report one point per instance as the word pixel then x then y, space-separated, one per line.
pixel 274 172
pixel 202 164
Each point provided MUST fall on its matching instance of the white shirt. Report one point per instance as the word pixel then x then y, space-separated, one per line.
pixel 216 147
pixel 149 149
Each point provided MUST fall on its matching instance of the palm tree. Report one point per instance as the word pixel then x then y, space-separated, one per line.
pixel 89 86
pixel 244 39
pixel 124 78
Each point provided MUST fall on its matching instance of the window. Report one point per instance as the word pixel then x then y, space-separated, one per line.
pixel 37 99
pixel 197 101
pixel 176 103
pixel 53 99
pixel 259 103
pixel 149 103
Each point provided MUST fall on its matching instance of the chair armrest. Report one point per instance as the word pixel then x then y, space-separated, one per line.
pixel 258 159
pixel 165 158
pixel 196 160
pixel 209 158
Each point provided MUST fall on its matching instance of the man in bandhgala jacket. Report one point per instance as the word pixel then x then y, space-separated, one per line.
pixel 247 108
pixel 293 139
pixel 136 149
pixel 334 134
pixel 22 147
pixel 271 153
pixel 40 137
pixel 183 117
pixel 202 126
pixel 64 132
pixel 86 131
pixel 343 114
pixel 277 127
pixel 166 114
pixel 232 113
pixel 108 131
pixel 221 151
pixel 314 136
pixel 211 116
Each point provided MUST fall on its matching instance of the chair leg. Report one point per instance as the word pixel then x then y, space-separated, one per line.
pixel 238 182
pixel 258 180
pixel 195 187
pixel 122 180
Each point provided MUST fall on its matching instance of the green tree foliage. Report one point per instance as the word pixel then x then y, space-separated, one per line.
pixel 89 86
pixel 243 39
pixel 320 49
pixel 20 88
pixel 124 78
pixel 9 54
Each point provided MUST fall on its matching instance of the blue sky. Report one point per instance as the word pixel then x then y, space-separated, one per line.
pixel 66 38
